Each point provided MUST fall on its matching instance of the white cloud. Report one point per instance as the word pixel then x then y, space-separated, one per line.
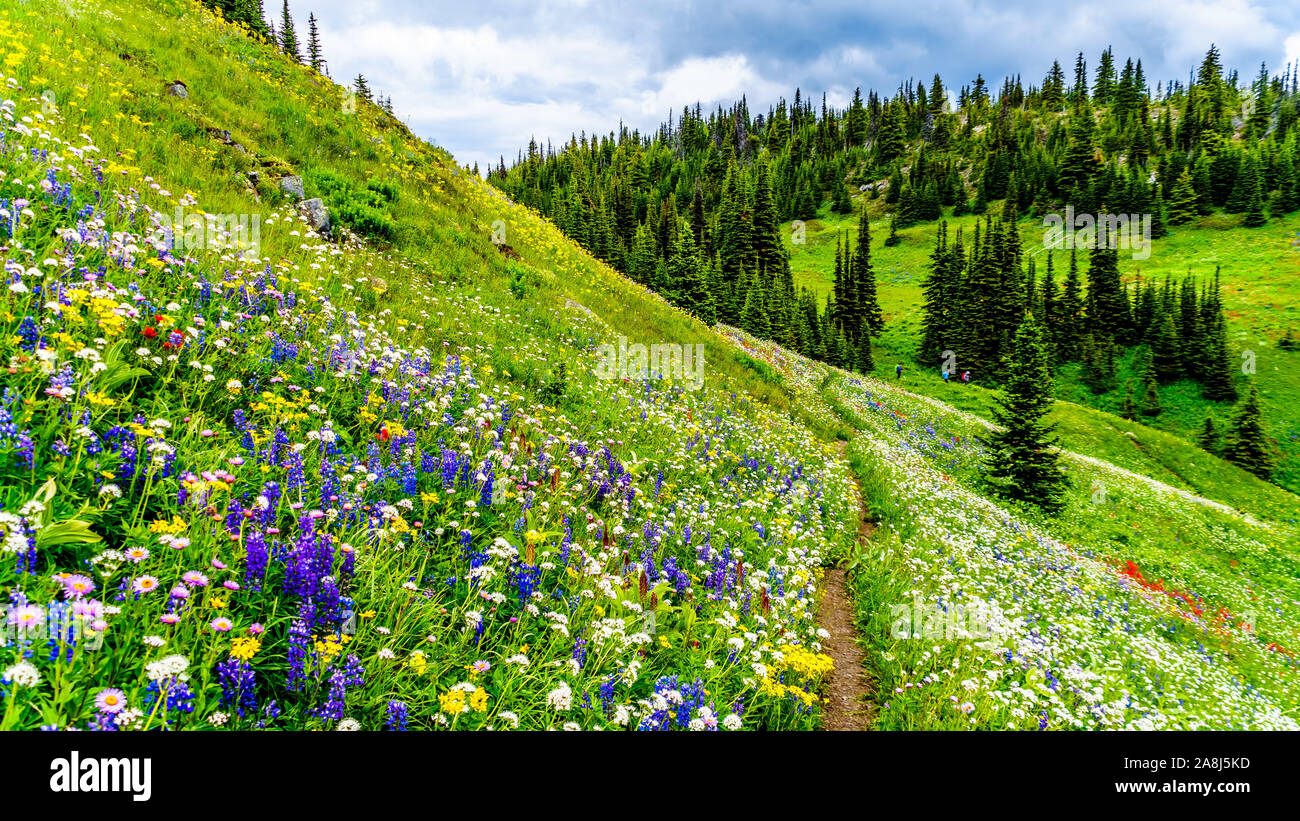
pixel 1292 49
pixel 705 80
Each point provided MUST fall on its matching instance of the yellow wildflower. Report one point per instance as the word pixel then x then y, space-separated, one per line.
pixel 245 647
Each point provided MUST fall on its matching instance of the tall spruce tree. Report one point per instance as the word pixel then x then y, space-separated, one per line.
pixel 1247 444
pixel 1182 202
pixel 870 319
pixel 941 289
pixel 1217 380
pixel 891 137
pixel 315 57
pixel 1208 437
pixel 1023 462
pixel 288 39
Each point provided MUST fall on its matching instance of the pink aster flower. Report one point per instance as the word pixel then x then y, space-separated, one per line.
pixel 27 617
pixel 76 586
pixel 111 701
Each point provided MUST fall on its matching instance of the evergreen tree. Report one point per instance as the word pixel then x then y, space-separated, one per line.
pixel 1288 191
pixel 1247 445
pixel 1080 163
pixel 1098 363
pixel 1070 326
pixel 1182 203
pixel 895 189
pixel 247 12
pixel 866 363
pixel 753 316
pixel 1108 308
pixel 735 225
pixel 1079 91
pixel 855 130
pixel 697 217
pixel 1208 438
pixel 1150 404
pixel 288 39
pixel 1158 228
pixel 1165 353
pixel 869 319
pixel 1023 462
pixel 841 202
pixel 1217 381
pixel 891 138
pixel 315 57
pixel 1053 91
pixel 1261 108
pixel 941 292
pixel 1104 85
pixel 1253 194
pixel 361 87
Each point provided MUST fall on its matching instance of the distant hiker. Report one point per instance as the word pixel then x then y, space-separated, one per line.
pixel 898 370
pixel 965 377
pixel 945 375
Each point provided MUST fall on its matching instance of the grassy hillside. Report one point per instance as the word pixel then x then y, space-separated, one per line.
pixel 382 477
pixel 371 481
pixel 1259 268
pixel 1141 607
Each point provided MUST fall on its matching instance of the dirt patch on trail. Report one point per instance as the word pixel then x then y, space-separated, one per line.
pixel 844 701
pixel 847 690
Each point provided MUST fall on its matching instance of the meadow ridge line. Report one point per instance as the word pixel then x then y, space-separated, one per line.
pixel 847 688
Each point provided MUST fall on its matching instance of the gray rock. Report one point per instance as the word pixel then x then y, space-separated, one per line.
pixel 179 90
pixel 316 214
pixel 292 186
pixel 569 303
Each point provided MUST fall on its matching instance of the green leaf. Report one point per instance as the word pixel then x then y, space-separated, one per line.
pixel 69 531
pixel 120 376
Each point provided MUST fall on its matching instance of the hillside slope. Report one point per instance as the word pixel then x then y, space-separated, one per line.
pixel 1142 606
pixel 347 483
pixel 385 476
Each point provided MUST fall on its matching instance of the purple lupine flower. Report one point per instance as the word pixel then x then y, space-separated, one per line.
pixel 398 713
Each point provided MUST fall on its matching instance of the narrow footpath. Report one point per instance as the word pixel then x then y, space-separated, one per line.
pixel 846 704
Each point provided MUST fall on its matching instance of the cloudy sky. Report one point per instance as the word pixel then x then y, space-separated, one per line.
pixel 481 78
